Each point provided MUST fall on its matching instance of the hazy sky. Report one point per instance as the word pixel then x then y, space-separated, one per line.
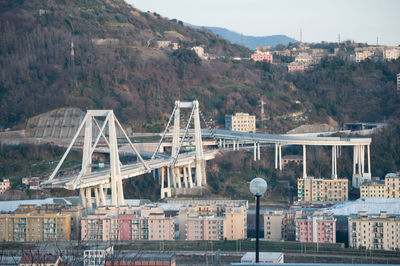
pixel 320 20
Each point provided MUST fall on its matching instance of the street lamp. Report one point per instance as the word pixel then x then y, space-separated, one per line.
pixel 258 186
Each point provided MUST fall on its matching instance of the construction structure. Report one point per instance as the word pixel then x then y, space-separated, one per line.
pixel 182 171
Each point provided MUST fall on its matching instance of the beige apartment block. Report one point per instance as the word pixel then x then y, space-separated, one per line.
pixel 32 227
pixel 389 188
pixel 195 222
pixel 279 225
pixel 322 190
pixel 75 212
pixel 242 122
pixel 378 231
pixel 373 189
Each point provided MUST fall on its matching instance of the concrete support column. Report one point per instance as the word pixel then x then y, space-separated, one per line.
pixel 280 157
pixel 354 159
pixel 276 156
pixel 169 177
pixel 369 159
pixel 121 200
pixel 234 145
pixel 96 196
pixel 362 160
pixel 102 196
pixel 162 178
pixel 255 152
pixel 304 161
pixel 219 143
pixel 334 156
pixel 83 197
pixel 190 176
pixel 89 198
pixel 258 152
pixel 359 159
pixel 185 181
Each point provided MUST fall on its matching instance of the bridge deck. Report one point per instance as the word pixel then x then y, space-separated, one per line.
pixel 127 171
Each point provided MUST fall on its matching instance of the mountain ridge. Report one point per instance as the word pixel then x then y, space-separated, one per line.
pixel 249 41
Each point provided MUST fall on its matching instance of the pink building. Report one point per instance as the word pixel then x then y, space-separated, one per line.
pixel 262 56
pixel 318 227
pixel 205 228
pixel 4 186
pixel 161 227
pixel 123 223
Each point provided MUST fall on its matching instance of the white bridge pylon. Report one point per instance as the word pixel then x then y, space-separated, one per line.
pixel 108 128
pixel 180 178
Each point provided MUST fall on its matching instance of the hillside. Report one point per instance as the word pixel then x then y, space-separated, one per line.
pixel 118 65
pixel 250 42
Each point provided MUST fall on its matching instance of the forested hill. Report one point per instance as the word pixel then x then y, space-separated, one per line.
pixel 117 65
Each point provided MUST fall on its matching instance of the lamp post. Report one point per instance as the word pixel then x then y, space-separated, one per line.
pixel 258 186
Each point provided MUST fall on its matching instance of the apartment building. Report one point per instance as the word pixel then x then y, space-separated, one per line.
pixel 242 122
pixel 212 222
pixel 363 55
pixel 126 223
pixel 279 225
pixel 75 212
pixel 262 57
pixel 388 188
pixel 322 190
pixel 4 186
pixel 318 227
pixel 374 231
pixel 373 189
pixel 391 53
pixel 296 67
pixel 398 82
pixel 35 227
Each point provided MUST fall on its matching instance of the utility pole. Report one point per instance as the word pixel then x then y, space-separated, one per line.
pixel 262 113
pixel 301 35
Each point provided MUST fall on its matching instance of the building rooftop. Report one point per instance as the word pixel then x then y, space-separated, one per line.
pixel 262 255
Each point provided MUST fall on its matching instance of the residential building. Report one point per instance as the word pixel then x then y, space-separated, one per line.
pixel 96 256
pixel 297 159
pixel 75 212
pixel 34 227
pixel 40 260
pixel 279 225
pixel 262 57
pixel 398 82
pixel 388 188
pixel 322 190
pixel 141 259
pixel 391 53
pixel 242 122
pixel 374 231
pixel 373 189
pixel 126 223
pixel 363 55
pixel 264 257
pixel 4 186
pixel 212 222
pixel 296 67
pixel 34 183
pixel 318 227
pixel 304 58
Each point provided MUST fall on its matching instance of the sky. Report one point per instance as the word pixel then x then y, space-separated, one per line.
pixel 319 20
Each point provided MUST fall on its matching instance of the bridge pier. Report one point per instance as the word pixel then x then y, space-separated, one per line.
pixel 359 174
pixel 304 161
pixel 334 162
